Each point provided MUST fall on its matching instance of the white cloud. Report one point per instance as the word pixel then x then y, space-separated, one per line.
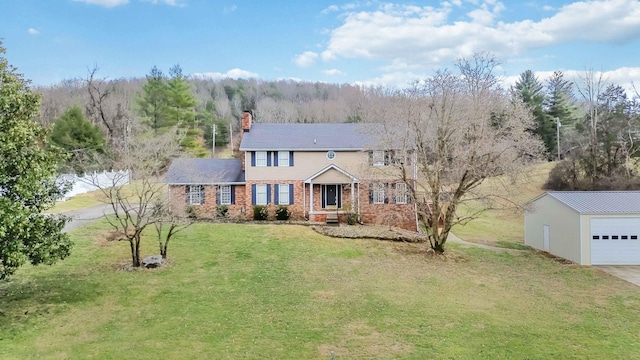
pixel 114 3
pixel 292 79
pixel 33 31
pixel 230 9
pixel 105 3
pixel 306 59
pixel 231 74
pixel 333 72
pixel 394 80
pixel 424 36
pixel 331 8
pixel 343 7
pixel 178 3
pixel 327 55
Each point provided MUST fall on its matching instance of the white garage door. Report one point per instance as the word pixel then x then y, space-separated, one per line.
pixel 615 241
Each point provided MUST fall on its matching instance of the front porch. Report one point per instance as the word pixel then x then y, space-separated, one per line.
pixel 330 195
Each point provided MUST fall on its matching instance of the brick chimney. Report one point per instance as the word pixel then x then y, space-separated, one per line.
pixel 246 121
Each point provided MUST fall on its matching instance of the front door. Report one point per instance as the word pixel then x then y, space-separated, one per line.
pixel 331 196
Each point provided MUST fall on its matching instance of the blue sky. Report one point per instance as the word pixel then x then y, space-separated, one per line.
pixel 364 42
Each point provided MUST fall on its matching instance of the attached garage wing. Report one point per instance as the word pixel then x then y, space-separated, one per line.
pixel 615 241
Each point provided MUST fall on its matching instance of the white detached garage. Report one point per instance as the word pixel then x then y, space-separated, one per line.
pixel 586 227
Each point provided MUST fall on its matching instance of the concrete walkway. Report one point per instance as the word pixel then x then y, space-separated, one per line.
pixel 628 273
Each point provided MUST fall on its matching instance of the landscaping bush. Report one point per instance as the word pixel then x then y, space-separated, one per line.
pixel 282 213
pixel 222 210
pixel 353 218
pixel 260 212
pixel 191 212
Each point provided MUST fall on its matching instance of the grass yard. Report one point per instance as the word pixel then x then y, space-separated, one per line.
pixel 505 228
pixel 79 202
pixel 285 292
pixel 97 198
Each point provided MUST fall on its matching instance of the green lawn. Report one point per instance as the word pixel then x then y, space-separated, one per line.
pixel 286 292
pixel 96 198
pixel 504 228
pixel 78 202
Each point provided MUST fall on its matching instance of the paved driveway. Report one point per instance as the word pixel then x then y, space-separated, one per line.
pixel 628 273
pixel 84 216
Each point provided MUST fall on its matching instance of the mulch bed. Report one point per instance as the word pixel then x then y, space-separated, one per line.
pixel 370 232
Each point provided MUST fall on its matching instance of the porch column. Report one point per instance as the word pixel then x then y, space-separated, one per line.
pixel 310 199
pixel 353 184
pixel 358 198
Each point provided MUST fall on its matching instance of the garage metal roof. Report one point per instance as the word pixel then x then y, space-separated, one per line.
pixel 599 202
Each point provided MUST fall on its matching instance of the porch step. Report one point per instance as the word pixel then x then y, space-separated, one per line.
pixel 332 219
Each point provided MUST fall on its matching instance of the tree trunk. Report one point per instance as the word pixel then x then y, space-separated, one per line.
pixel 135 251
pixel 134 258
pixel 438 247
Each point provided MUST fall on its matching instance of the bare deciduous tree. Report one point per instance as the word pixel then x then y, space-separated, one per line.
pixel 108 106
pixel 447 135
pixel 142 202
pixel 170 219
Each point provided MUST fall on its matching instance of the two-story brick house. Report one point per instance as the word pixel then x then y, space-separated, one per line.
pixel 318 171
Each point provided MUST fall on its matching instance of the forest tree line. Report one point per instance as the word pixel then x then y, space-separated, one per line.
pixel 597 122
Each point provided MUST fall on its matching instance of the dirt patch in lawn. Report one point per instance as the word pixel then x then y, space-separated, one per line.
pixel 359 340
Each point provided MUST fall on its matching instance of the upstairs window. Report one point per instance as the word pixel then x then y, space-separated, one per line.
pixel 401 157
pixel 283 158
pixel 261 158
pixel 331 154
pixel 378 158
pixel 195 194
pixel 390 157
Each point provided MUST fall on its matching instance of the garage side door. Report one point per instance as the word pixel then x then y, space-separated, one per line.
pixel 615 241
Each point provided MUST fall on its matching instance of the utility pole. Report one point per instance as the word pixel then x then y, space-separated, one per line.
pixel 558 135
pixel 213 140
pixel 231 137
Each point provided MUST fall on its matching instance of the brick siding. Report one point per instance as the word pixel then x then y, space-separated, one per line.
pixel 397 215
pixel 207 210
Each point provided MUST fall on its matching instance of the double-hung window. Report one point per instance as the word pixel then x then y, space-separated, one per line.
pixel 261 158
pixel 401 195
pixel 283 158
pixel 402 157
pixel 378 195
pixel 283 194
pixel 225 194
pixel 261 194
pixel 377 158
pixel 195 194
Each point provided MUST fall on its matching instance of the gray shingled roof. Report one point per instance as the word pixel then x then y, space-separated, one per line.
pixel 204 171
pixel 599 202
pixel 304 137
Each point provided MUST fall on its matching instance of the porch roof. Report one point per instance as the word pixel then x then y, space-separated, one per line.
pixel 331 167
